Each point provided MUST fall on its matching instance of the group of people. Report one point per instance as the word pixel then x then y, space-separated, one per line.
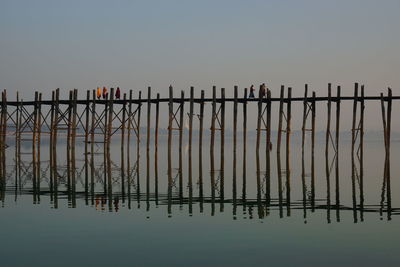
pixel 104 93
pixel 262 92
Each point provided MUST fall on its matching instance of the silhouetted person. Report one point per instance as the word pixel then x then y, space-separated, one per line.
pixel 105 93
pixel 251 95
pixel 262 90
pixel 118 93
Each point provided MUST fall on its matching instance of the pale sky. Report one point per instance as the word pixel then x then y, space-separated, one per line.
pixel 135 44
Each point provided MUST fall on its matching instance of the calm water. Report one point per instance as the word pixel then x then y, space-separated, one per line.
pixel 133 216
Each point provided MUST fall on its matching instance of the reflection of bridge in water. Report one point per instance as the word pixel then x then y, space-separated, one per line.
pixel 112 189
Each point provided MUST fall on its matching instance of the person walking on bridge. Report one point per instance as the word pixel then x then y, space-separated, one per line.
pixel 98 93
pixel 118 93
pixel 105 92
pixel 251 95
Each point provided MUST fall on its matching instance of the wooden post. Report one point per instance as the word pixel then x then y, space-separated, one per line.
pixel 34 134
pixel 305 109
pixel 278 149
pixel 123 144
pixel 353 128
pixel 213 118
pixel 138 135
pixel 17 129
pixel 313 113
pixel 201 121
pixel 191 114
pixel 87 118
pixel 222 165
pixel 259 114
pixel 51 132
pixel 110 119
pixel 39 129
pixel 269 147
pixel 244 145
pixel 328 120
pixel 148 119
pixel 181 122
pixel 156 146
pixel 170 118
pixel 288 132
pixel 337 119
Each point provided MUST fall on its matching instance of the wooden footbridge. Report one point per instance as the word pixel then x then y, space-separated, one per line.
pixel 29 121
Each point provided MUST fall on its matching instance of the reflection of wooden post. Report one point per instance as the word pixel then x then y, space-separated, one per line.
pixel 278 149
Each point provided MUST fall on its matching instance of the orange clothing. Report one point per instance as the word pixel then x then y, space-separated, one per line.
pixel 98 93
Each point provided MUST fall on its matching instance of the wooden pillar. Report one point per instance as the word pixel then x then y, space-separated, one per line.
pixel 34 132
pixel 148 119
pixel 353 128
pixel 123 145
pixel 269 147
pixel 39 132
pixel 201 121
pixel 87 119
pixel 191 114
pixel 156 128
pixel 17 132
pixel 337 120
pixel 222 162
pixel 288 132
pixel 138 134
pixel 259 114
pixel 156 146
pixel 313 113
pixel 213 118
pixel 110 119
pixel 305 109
pixel 170 119
pixel 181 122
pixel 328 120
pixel 278 149
pixel 244 146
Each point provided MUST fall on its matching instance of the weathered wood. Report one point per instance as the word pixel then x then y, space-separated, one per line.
pixel 353 128
pixel 313 119
pixel 305 109
pixel 268 147
pixel 288 133
pixel 201 122
pixel 148 119
pixel 170 118
pixel 222 161
pixel 191 114
pixel 110 119
pixel 181 122
pixel 213 119
pixel 156 130
pixel 259 115
pixel 278 149
pixel 244 160
pixel 328 120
